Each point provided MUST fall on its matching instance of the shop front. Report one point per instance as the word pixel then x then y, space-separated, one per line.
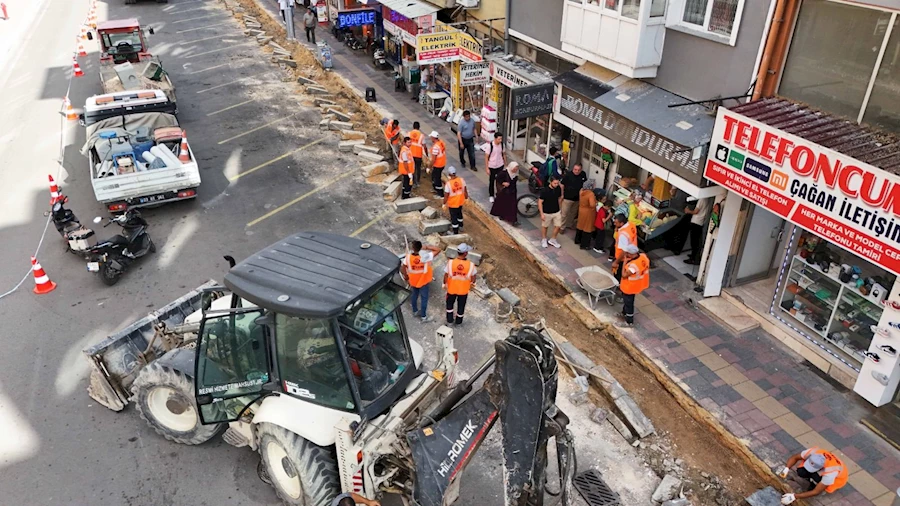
pixel 363 24
pixel 814 220
pixel 402 21
pixel 526 134
pixel 441 55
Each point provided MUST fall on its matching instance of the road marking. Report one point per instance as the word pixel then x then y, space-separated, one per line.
pixel 190 10
pixel 224 84
pixel 201 40
pixel 270 162
pixel 216 50
pixel 248 132
pixel 209 68
pixel 202 27
pixel 298 199
pixel 230 107
pixel 375 220
pixel 195 19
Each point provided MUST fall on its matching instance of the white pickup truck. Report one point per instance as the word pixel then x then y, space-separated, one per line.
pixel 134 148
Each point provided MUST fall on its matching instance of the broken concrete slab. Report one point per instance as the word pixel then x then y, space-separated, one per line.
pixel 409 205
pixel 576 356
pixel 634 417
pixel 481 289
pixel 765 497
pixel 375 168
pixel 365 156
pixel 677 502
pixel 306 80
pixel 341 125
pixel 253 32
pixel 392 192
pixel 456 239
pixel 289 63
pixel 430 213
pixel 359 148
pixel 323 125
pixel 349 134
pixel 278 47
pixel 323 101
pixel 508 295
pixel 620 427
pixel 439 226
pixel 346 146
pixel 390 178
pixel 340 114
pixel 667 489
pixel 315 90
pixel 263 40
pixel 598 415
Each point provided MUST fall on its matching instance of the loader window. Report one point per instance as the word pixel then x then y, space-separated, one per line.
pixel 309 362
pixel 123 42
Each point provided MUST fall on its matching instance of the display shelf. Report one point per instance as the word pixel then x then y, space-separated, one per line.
pixel 834 278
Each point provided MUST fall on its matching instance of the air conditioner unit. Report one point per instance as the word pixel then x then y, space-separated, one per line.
pixel 469 4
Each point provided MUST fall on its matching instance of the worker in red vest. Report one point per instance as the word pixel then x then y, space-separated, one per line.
pixel 416 268
pixel 458 279
pixel 635 279
pixel 406 167
pixel 418 150
pixel 818 470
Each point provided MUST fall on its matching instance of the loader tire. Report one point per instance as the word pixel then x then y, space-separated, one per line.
pixel 302 473
pixel 165 400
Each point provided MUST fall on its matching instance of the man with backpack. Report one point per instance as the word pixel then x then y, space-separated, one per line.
pixel 550 168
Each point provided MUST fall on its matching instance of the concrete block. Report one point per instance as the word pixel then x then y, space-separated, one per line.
pixel 316 90
pixel 620 427
pixel 427 227
pixel 392 192
pixel 359 148
pixel 677 502
pixel 615 390
pixel 365 156
pixel 390 178
pixel 667 489
pixel 353 134
pixel 278 47
pixel 322 101
pixel 289 63
pixel 329 118
pixel 635 418
pixel 375 169
pixel 344 116
pixel 576 356
pixel 430 213
pixel 323 125
pixel 263 40
pixel 252 25
pixel 602 372
pixel 347 146
pixel 598 415
pixel 456 239
pixel 409 205
pixel 306 80
pixel 507 295
pixel 341 125
pixel 254 32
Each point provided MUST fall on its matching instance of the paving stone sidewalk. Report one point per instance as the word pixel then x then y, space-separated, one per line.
pixel 759 389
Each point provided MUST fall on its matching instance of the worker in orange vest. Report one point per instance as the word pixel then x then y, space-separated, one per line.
pixel 392 134
pixel 439 161
pixel 417 148
pixel 406 167
pixel 416 268
pixel 458 279
pixel 819 471
pixel 455 195
pixel 625 234
pixel 635 279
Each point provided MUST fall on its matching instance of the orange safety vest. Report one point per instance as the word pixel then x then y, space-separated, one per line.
pixel 635 283
pixel 455 190
pixel 405 165
pixel 417 137
pixel 419 273
pixel 439 153
pixel 833 466
pixel 629 230
pixel 459 276
pixel 392 135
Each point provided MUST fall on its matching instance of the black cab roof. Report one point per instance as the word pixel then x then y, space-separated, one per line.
pixel 312 274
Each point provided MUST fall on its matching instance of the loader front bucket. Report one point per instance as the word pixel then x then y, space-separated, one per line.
pixel 117 360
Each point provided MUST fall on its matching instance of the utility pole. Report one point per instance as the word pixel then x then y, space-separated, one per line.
pixel 289 20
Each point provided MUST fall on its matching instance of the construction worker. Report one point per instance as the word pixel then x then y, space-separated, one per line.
pixel 818 471
pixel 635 279
pixel 439 161
pixel 455 195
pixel 406 167
pixel 625 234
pixel 458 279
pixel 392 135
pixel 417 270
pixel 418 141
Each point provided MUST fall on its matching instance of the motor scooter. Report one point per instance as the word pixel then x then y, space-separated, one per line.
pixel 112 257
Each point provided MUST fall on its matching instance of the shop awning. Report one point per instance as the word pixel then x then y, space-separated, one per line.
pixel 410 8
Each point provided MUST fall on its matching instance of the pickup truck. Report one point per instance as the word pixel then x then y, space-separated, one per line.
pixel 138 154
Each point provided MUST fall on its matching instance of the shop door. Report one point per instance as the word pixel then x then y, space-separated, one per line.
pixel 759 246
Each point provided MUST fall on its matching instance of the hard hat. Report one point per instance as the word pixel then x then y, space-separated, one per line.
pixel 463 248
pixel 451 170
pixel 434 133
pixel 631 249
pixel 814 463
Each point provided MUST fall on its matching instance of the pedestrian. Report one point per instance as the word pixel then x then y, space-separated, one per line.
pixel 283 6
pixel 392 135
pixel 603 226
pixel 550 168
pixel 625 234
pixel 406 167
pixel 634 208
pixel 699 214
pixel 418 140
pixel 587 213
pixel 817 471
pixel 438 162
pixel 458 279
pixel 549 202
pixel 494 161
pixel 352 499
pixel 465 135
pixel 571 184
pixel 455 195
pixel 309 24
pixel 417 270
pixel 505 204
pixel 635 279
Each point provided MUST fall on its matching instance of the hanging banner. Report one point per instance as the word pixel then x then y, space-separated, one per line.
pixel 437 47
pixel 850 203
pixel 471 74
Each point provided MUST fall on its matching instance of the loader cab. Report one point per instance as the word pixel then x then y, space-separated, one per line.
pixel 121 41
pixel 315 317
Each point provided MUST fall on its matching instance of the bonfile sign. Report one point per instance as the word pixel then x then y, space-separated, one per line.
pixel 848 202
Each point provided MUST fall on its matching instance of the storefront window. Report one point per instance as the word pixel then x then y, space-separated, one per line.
pixel 882 110
pixel 628 174
pixel 833 295
pixel 657 8
pixel 537 135
pixel 631 8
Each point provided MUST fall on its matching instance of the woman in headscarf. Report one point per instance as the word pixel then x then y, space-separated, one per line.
pixel 505 200
pixel 587 212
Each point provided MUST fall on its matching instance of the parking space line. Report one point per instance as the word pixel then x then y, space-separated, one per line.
pixel 217 50
pixel 209 68
pixel 248 132
pixel 230 107
pixel 220 36
pixel 270 162
pixel 374 220
pixel 202 27
pixel 204 90
pixel 195 19
pixel 190 10
pixel 301 197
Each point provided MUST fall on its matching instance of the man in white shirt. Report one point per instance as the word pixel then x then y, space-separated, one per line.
pixel 699 215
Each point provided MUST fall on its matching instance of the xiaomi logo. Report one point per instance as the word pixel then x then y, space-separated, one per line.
pixel 779 180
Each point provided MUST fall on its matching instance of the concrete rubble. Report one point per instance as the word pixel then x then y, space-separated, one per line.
pixel 375 169
pixel 409 205
pixel 667 489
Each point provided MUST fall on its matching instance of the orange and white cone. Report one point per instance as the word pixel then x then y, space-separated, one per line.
pixel 83 32
pixel 54 191
pixel 92 20
pixel 184 155
pixel 76 69
pixel 68 111
pixel 81 51
pixel 42 283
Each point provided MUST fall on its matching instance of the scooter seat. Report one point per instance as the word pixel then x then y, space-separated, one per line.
pixel 79 232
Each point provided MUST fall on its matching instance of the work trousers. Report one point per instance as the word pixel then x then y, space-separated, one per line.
pixel 437 184
pixel 813 479
pixel 311 34
pixel 456 219
pixel 492 180
pixel 417 175
pixel 468 146
pixel 460 302
pixel 407 185
pixel 628 307
pixel 419 297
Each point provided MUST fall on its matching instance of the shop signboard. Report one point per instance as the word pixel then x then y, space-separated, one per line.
pixel 349 19
pixel 470 50
pixel 507 77
pixel 439 47
pixel 399 25
pixel 530 101
pixel 472 74
pixel 673 157
pixel 847 202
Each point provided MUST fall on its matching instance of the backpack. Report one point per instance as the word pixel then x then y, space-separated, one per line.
pixel 548 170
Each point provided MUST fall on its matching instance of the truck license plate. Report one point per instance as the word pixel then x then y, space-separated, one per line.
pixel 93 266
pixel 152 198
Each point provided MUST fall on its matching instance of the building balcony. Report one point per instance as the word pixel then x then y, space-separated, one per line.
pixel 625 36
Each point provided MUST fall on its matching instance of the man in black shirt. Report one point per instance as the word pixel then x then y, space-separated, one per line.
pixel 571 184
pixel 549 202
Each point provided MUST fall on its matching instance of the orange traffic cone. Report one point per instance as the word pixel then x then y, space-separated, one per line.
pixel 76 69
pixel 81 51
pixel 184 154
pixel 68 111
pixel 83 32
pixel 42 283
pixel 54 191
pixel 92 20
